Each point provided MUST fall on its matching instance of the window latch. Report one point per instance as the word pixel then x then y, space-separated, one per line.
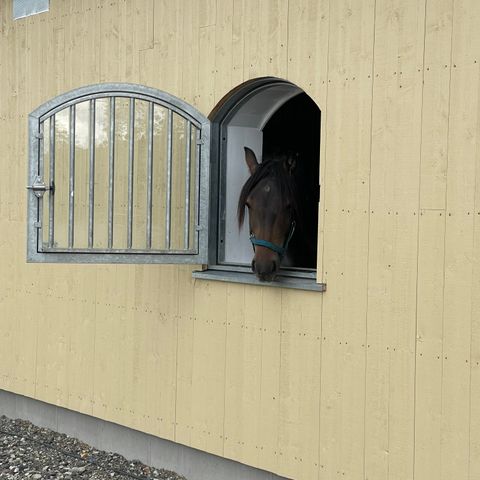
pixel 39 188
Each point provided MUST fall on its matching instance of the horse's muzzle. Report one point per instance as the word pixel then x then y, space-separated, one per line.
pixel 266 270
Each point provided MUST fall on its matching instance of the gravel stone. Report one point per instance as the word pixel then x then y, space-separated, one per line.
pixel 31 452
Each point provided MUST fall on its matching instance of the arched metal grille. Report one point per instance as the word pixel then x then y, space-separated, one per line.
pixel 118 173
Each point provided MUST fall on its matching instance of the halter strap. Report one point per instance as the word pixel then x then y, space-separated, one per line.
pixel 273 246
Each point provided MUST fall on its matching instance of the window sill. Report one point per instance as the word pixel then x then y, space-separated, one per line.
pixel 251 279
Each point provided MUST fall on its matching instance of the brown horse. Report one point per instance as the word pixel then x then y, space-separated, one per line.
pixel 271 195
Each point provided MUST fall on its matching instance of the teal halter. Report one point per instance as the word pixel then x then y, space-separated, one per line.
pixel 272 246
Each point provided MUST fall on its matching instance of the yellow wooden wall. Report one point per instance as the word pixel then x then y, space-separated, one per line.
pixel 379 377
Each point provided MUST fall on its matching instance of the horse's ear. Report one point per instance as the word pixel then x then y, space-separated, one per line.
pixel 251 160
pixel 291 162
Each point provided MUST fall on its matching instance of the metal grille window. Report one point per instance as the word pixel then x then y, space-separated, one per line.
pixel 119 173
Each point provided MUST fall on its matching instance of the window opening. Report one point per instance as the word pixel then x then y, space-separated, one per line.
pixel 269 116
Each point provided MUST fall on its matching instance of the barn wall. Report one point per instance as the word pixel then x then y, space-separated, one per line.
pixel 377 378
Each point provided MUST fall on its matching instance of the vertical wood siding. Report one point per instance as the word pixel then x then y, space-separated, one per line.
pixel 376 379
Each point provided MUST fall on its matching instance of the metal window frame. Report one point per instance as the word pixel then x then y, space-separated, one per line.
pixel 36 165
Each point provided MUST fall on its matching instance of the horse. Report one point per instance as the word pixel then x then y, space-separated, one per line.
pixel 273 195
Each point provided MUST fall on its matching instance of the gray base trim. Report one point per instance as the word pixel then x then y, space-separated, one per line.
pixel 251 279
pixel 132 444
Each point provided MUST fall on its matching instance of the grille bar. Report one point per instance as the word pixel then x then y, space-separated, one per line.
pixel 111 171
pixel 91 174
pixel 149 175
pixel 71 189
pixel 168 212
pixel 131 133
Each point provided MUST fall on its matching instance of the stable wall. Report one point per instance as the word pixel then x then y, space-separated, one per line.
pixel 377 378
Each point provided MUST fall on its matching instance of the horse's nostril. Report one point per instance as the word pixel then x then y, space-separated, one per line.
pixel 253 265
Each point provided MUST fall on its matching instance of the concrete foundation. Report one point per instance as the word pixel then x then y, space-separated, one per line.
pixel 132 444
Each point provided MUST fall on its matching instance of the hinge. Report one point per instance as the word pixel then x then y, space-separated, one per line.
pixel 39 135
pixel 201 141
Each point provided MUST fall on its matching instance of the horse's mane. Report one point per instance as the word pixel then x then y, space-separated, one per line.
pixel 272 167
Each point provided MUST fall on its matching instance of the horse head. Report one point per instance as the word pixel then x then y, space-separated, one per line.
pixel 271 198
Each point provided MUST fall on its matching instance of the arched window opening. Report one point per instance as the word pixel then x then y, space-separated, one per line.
pixel 268 116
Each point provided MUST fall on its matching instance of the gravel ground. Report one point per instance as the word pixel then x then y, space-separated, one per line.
pixel 27 451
